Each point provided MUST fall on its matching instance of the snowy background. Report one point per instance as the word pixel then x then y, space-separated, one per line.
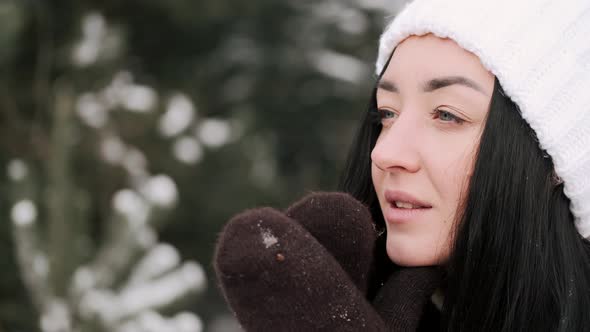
pixel 131 131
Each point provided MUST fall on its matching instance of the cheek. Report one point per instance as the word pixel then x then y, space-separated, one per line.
pixel 450 173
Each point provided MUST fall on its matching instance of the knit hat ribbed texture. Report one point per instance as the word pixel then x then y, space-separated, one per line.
pixel 540 52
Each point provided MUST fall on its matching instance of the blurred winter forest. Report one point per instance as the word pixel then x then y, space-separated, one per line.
pixel 131 131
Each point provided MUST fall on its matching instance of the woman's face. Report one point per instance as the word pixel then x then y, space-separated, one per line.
pixel 433 100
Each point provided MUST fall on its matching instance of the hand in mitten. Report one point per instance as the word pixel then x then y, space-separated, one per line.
pixel 304 270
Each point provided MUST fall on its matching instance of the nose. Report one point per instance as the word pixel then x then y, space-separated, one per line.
pixel 397 148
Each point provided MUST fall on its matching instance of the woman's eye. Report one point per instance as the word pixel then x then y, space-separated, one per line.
pixel 383 117
pixel 446 116
pixel 386 115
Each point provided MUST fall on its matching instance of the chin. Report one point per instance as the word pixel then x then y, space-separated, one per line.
pixel 414 252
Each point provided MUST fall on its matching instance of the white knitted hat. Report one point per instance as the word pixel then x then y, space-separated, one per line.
pixel 540 52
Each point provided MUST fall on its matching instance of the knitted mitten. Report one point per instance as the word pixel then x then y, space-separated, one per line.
pixel 344 227
pixel 304 270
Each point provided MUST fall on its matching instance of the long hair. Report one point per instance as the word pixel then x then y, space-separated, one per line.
pixel 517 262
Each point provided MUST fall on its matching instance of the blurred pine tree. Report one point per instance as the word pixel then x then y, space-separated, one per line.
pixel 237 104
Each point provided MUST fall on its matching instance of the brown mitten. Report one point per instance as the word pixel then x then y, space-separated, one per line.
pixel 344 227
pixel 307 269
pixel 277 277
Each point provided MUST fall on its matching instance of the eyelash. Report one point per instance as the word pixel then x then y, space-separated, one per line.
pixel 437 112
pixel 379 116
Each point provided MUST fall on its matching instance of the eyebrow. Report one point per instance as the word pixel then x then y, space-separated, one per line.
pixel 435 84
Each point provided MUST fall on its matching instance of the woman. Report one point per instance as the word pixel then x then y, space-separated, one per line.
pixel 472 158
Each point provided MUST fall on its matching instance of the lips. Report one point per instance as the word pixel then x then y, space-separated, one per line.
pixel 403 207
pixel 404 200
